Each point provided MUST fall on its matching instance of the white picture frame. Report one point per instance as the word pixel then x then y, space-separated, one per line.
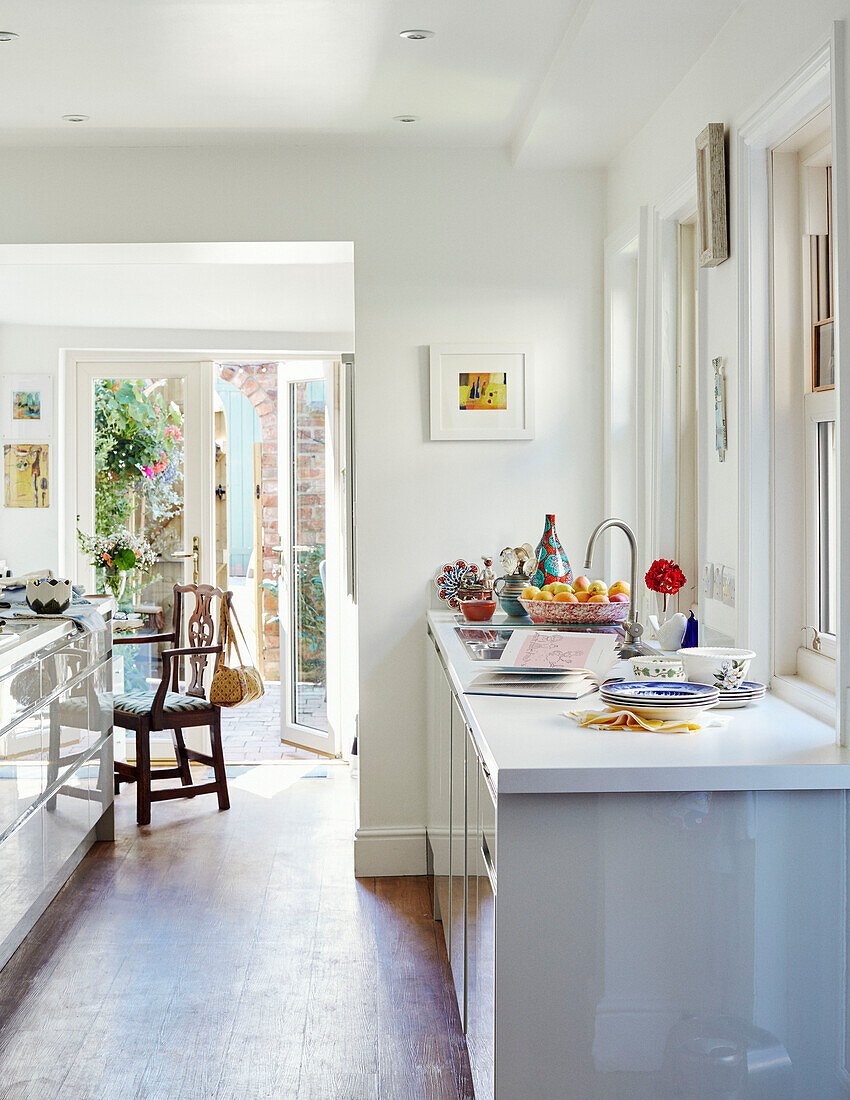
pixel 496 409
pixel 38 428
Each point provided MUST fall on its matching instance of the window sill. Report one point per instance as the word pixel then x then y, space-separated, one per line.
pixel 806 697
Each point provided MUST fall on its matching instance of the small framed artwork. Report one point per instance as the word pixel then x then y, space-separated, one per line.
pixel 823 355
pixel 481 391
pixel 712 220
pixel 26 410
pixel 26 475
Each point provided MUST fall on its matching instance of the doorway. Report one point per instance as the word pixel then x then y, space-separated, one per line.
pixel 238 484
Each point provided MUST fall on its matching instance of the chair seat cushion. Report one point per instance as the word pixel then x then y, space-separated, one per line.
pixel 141 702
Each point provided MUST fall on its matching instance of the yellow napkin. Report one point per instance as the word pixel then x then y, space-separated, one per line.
pixel 626 720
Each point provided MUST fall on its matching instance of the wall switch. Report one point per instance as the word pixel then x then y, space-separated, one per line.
pixel 728 586
pixel 718 583
pixel 708 580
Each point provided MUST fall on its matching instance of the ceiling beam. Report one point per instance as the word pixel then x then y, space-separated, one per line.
pixel 533 108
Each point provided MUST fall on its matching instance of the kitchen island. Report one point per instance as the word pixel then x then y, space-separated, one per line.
pixel 638 916
pixel 56 785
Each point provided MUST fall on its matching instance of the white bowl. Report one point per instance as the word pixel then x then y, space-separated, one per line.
pixel 657 668
pixel 722 668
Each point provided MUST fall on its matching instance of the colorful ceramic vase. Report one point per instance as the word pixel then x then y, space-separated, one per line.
pixel 552 563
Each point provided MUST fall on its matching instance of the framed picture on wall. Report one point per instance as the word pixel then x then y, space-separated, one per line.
pixel 712 224
pixel 26 475
pixel 26 406
pixel 481 391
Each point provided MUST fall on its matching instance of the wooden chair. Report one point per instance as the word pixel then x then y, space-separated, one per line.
pixel 169 708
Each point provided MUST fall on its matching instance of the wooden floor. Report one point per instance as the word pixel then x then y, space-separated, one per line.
pixel 233 955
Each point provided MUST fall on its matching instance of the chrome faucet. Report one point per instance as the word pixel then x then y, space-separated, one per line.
pixel 633 646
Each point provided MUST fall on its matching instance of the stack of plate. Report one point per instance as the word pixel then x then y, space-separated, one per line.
pixel 660 698
pixel 749 692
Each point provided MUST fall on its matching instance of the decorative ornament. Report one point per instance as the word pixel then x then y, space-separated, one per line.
pixel 552 561
pixel 451 578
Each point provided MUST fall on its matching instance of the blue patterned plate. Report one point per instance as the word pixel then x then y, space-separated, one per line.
pixel 661 690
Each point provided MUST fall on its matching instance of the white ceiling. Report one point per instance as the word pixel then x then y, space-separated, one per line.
pixel 556 81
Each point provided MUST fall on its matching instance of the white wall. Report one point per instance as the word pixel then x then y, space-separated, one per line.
pixel 30 538
pixel 449 247
pixel 754 54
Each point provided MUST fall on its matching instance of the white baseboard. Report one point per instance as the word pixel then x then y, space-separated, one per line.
pixel 389 851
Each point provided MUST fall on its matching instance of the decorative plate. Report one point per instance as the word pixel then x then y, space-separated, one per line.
pixel 449 580
pixel 589 614
pixel 662 691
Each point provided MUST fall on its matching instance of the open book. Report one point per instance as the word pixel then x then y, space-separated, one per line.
pixel 548 663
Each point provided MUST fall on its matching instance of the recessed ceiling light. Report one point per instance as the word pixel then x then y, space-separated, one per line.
pixel 7 36
pixel 405 118
pixel 75 118
pixel 416 35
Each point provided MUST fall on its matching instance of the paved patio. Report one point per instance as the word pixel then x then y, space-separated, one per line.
pixel 251 733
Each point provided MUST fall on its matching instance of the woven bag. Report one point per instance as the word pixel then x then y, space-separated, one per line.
pixel 233 684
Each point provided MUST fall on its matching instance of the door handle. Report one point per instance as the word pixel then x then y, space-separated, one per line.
pixel 195 555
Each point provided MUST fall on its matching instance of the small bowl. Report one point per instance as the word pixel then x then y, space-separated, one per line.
pixel 722 668
pixel 657 668
pixel 478 611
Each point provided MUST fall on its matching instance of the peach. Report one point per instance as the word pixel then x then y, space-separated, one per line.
pixel 582 596
pixel 581 584
pixel 598 597
pixel 618 597
pixel 566 597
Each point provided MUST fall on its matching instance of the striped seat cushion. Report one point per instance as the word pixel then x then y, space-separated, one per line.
pixel 141 702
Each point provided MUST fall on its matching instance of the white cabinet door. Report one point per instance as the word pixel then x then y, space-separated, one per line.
pixel 481 926
pixel 439 784
pixel 457 885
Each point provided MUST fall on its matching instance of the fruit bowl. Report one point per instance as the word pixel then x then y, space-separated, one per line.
pixel 579 614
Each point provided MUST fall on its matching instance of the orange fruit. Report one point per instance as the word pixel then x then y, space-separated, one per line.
pixel 565 597
pixel 598 598
pixel 582 596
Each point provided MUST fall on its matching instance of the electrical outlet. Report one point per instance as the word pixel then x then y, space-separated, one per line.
pixel 728 586
pixel 718 583
pixel 708 580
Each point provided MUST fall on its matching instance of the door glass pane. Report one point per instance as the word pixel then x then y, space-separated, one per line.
pixel 139 503
pixel 309 697
pixel 827 526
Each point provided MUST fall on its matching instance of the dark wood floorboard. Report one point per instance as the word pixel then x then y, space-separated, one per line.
pixel 213 956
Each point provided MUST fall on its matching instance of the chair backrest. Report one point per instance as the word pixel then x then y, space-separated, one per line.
pixel 202 628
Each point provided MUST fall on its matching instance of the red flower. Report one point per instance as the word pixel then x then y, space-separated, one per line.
pixel 665 576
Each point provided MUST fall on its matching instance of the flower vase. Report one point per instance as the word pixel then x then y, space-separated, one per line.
pixel 115 581
pixel 664 607
pixel 552 562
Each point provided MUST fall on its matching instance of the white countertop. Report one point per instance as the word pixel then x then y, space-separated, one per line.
pixel 530 748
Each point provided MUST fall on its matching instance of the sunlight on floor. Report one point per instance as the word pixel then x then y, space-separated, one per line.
pixel 268 780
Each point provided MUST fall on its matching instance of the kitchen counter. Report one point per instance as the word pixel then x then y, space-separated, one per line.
pixel 530 748
pixel 641 915
pixel 56 762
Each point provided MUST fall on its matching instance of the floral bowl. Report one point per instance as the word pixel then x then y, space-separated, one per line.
pixel 657 668
pixel 578 614
pixel 722 668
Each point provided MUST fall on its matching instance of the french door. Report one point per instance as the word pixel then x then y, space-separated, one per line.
pixel 144 462
pixel 309 583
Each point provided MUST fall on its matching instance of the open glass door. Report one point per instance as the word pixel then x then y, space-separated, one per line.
pixel 309 588
pixel 144 466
